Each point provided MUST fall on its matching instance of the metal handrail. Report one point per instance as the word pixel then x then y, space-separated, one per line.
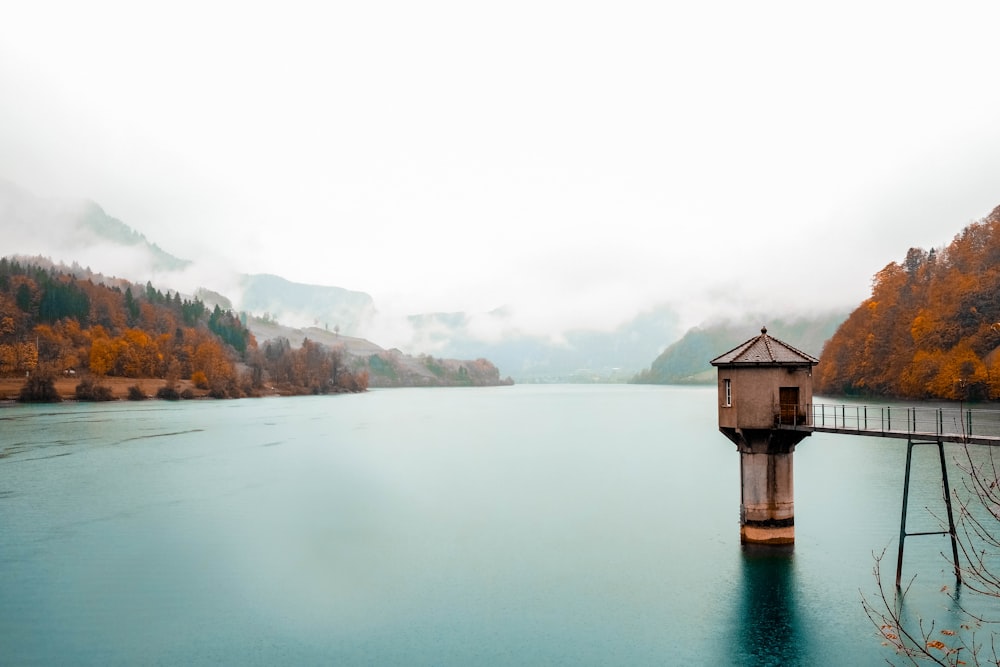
pixel 925 421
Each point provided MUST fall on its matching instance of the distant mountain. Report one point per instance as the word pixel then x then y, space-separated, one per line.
pixel 80 231
pixel 687 360
pixel 579 356
pixel 76 231
pixel 328 307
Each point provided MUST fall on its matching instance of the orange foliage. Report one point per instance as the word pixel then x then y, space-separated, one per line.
pixel 137 355
pixel 931 328
pixel 18 357
pixel 210 358
pixel 49 315
pixel 103 355
pixel 200 379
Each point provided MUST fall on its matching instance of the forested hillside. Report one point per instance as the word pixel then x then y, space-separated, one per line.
pixel 58 321
pixel 687 360
pixel 931 328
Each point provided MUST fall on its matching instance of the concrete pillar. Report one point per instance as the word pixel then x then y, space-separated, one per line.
pixel 767 490
pixel 767 503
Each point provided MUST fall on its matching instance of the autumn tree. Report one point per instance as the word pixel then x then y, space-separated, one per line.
pixel 137 355
pixel 931 325
pixel 210 359
pixel 103 352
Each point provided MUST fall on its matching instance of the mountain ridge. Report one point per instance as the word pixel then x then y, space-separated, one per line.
pixel 686 361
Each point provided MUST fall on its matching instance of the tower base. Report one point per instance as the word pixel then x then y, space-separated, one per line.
pixel 756 533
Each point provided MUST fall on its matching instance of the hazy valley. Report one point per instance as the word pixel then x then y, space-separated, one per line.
pixel 650 347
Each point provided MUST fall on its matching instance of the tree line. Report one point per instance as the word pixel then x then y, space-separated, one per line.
pixel 931 328
pixel 54 320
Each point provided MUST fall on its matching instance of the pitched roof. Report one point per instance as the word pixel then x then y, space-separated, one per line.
pixel 765 351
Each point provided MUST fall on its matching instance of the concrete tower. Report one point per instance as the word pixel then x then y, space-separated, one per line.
pixel 765 384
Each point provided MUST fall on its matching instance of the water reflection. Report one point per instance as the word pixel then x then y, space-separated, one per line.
pixel 768 627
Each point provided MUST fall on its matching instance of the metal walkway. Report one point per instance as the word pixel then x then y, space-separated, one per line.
pixel 924 425
pixel 947 424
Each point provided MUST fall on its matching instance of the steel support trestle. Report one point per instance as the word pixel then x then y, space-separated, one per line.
pixel 910 444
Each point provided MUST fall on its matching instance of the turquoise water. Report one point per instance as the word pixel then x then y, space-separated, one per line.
pixel 526 525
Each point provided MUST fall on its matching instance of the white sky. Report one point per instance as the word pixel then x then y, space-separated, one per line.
pixel 575 161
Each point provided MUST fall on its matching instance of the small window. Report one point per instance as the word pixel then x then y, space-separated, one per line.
pixel 728 399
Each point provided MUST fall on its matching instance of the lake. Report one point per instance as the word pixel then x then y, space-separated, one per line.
pixel 524 525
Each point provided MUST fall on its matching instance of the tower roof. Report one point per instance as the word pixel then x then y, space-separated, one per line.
pixel 765 350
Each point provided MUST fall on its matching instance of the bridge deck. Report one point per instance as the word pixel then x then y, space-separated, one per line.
pixel 946 424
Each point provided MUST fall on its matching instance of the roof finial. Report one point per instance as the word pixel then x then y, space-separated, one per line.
pixel 763 330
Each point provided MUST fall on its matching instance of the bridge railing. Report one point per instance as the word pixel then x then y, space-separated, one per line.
pixel 958 421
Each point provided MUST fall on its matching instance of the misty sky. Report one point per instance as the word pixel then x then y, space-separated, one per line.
pixel 576 162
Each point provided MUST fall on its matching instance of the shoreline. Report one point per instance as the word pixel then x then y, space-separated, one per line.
pixel 10 387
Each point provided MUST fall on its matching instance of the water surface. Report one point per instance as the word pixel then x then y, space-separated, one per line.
pixel 555 525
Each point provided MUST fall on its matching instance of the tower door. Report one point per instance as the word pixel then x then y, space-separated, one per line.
pixel 788 398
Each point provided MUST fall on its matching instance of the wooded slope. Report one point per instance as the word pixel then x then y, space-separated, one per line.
pixel 63 322
pixel 56 321
pixel 931 328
